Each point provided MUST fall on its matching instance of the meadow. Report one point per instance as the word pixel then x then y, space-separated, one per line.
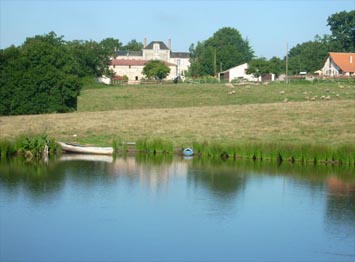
pixel 295 116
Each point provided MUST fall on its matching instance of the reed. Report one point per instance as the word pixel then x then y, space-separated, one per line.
pixel 278 152
pixel 155 145
pixel 3 149
pixel 154 159
pixel 29 146
pixel 119 146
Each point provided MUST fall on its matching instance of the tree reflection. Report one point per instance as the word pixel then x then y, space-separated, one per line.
pixel 36 178
pixel 340 202
pixel 224 180
pixel 221 178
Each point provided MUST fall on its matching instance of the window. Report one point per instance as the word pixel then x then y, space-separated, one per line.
pixel 178 61
pixel 129 66
pixel 156 48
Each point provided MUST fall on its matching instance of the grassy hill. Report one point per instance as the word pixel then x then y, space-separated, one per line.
pixel 197 95
pixel 213 113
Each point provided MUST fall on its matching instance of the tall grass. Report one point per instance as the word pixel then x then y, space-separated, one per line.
pixel 344 154
pixel 31 147
pixel 154 146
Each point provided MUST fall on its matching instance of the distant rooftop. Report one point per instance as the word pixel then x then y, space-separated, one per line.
pixel 162 45
pixel 134 62
pixel 129 53
pixel 180 55
pixel 345 61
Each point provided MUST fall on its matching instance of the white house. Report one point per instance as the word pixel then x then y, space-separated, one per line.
pixel 132 68
pixel 131 63
pixel 339 64
pixel 237 73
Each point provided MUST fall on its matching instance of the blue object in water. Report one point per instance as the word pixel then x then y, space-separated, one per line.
pixel 188 152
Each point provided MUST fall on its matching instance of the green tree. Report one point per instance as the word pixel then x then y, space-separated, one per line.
pixel 109 45
pixel 342 26
pixel 259 67
pixel 156 69
pixel 133 45
pixel 38 77
pixel 277 66
pixel 9 69
pixel 308 57
pixel 225 49
pixel 92 59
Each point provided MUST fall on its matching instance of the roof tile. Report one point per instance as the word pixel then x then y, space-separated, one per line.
pixel 134 62
pixel 345 61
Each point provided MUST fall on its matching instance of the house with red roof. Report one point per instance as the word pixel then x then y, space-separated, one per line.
pixel 132 68
pixel 131 63
pixel 339 64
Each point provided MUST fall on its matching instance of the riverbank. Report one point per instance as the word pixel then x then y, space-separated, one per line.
pixel 269 120
pixel 321 123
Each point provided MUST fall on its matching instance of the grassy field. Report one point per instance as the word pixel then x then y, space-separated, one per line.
pixel 197 95
pixel 188 113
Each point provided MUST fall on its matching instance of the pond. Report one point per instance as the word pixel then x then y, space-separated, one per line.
pixel 146 208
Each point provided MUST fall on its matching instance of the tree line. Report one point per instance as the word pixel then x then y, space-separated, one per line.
pixel 45 74
pixel 226 49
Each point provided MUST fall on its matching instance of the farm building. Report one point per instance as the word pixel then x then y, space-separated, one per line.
pixel 132 68
pixel 240 73
pixel 131 63
pixel 339 64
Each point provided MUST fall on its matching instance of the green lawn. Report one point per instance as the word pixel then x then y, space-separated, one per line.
pixel 108 98
pixel 270 117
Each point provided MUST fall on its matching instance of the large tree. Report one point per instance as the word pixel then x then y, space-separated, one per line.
pixel 342 26
pixel 38 77
pixel 156 69
pixel 308 57
pixel 259 67
pixel 109 45
pixel 225 49
pixel 277 66
pixel 133 45
pixel 92 57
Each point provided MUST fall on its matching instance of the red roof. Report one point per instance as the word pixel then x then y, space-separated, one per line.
pixel 134 62
pixel 345 61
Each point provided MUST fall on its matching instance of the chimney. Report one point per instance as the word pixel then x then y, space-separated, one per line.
pixel 145 42
pixel 169 43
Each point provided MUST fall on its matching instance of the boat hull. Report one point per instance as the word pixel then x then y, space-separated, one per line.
pixel 86 149
pixel 187 152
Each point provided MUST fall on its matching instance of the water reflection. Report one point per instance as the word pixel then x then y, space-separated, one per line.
pixel 340 210
pixel 207 208
pixel 38 180
pixel 222 180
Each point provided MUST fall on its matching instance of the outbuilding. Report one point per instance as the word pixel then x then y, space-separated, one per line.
pixel 237 73
pixel 339 64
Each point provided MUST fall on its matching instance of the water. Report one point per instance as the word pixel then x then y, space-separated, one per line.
pixel 155 209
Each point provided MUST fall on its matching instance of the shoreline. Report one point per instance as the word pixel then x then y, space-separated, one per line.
pixel 41 146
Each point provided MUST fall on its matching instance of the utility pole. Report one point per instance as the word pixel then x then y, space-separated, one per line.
pixel 286 63
pixel 215 63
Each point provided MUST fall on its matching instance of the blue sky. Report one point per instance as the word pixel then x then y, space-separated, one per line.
pixel 268 25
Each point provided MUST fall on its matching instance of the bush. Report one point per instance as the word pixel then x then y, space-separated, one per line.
pixel 38 77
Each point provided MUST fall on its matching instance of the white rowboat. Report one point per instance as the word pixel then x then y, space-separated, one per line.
pixel 85 149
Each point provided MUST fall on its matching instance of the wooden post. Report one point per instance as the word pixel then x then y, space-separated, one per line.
pixel 215 63
pixel 286 63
